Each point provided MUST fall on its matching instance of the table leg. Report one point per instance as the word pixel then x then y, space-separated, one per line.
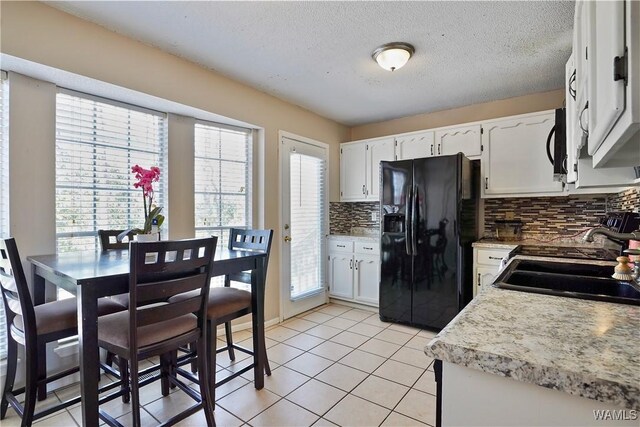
pixel 89 354
pixel 39 287
pixel 257 300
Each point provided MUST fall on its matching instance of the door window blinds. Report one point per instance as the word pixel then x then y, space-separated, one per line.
pixel 97 143
pixel 222 173
pixel 4 190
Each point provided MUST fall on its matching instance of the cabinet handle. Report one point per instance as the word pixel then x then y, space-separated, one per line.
pixel 341 246
pixel 351 265
pixel 584 131
pixel 363 190
pixel 356 265
pixel 486 183
pixel 438 149
pixel 495 257
pixel 369 249
pixel 479 284
pixel 432 149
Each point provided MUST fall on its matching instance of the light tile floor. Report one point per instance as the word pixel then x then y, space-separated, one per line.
pixel 334 365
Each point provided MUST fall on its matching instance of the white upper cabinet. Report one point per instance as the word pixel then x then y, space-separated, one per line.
pixel 607 58
pixel 573 134
pixel 460 139
pixel 360 168
pixel 515 160
pixel 605 90
pixel 353 171
pixel 377 151
pixel 414 146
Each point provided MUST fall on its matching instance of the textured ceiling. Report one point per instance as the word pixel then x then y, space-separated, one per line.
pixel 318 54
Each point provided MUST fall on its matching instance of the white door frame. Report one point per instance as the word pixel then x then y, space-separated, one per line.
pixel 279 233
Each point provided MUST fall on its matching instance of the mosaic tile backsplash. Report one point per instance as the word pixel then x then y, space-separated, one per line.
pixel 628 200
pixel 551 217
pixel 345 216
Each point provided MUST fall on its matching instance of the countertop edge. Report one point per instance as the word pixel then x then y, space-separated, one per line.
pixel 574 383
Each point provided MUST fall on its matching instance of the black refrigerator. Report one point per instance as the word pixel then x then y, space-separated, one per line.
pixel 428 215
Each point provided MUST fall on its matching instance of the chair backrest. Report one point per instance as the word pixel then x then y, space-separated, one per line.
pixel 250 240
pixel 15 292
pixel 160 270
pixel 109 239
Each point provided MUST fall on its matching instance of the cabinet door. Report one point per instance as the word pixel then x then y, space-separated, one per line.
pixel 414 146
pixel 606 93
pixel 466 139
pixel 341 275
pixel 367 278
pixel 572 129
pixel 484 277
pixel 516 160
pixel 353 171
pixel 581 26
pixel 382 149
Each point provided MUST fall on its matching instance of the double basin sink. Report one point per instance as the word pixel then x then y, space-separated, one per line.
pixel 568 279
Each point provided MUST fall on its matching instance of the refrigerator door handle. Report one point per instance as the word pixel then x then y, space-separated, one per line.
pixel 407 223
pixel 414 221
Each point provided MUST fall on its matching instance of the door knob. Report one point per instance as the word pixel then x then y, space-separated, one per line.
pixel 287 238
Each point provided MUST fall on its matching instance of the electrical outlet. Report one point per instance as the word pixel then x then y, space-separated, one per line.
pixel 374 216
pixel 510 215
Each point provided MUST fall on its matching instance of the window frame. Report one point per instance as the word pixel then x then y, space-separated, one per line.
pixel 161 187
pixel 219 229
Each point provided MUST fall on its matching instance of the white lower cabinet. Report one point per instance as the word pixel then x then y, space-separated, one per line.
pixel 341 275
pixel 354 270
pixel 367 278
pixel 486 264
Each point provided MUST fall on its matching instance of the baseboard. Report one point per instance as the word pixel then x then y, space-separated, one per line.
pixel 366 307
pixel 245 326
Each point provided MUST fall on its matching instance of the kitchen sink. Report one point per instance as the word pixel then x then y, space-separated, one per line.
pixel 590 270
pixel 574 280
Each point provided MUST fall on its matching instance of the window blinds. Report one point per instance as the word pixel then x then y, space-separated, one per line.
pixel 4 191
pixel 97 143
pixel 222 179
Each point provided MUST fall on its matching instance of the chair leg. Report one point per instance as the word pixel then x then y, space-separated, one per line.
pixel 174 367
pixel 31 386
pixel 194 364
pixel 211 358
pixel 12 362
pixel 165 371
pixel 123 367
pixel 227 330
pixel 135 395
pixel 205 388
pixel 267 368
pixel 109 360
pixel 42 370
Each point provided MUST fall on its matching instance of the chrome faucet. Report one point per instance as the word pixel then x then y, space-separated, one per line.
pixel 588 236
pixel 636 265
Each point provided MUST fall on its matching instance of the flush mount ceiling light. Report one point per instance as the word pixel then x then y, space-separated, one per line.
pixel 392 56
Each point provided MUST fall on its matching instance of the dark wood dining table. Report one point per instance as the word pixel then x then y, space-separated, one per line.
pixel 92 275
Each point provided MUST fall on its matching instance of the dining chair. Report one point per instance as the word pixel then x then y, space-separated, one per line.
pixel 227 303
pixel 33 327
pixel 154 325
pixel 245 240
pixel 109 239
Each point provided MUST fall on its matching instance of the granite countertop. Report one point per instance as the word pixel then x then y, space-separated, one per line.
pixel 494 244
pixel 584 348
pixel 575 243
